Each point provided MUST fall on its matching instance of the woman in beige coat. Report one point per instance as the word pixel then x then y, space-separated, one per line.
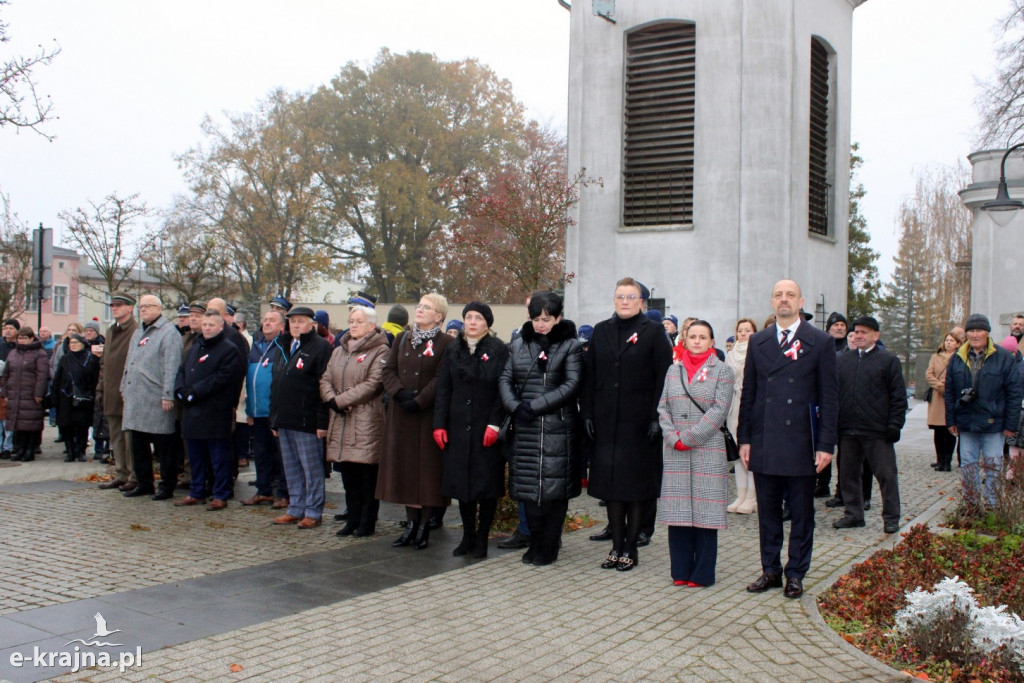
pixel 352 386
pixel 746 496
pixel 945 443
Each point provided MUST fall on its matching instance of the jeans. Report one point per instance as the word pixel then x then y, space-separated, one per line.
pixel 981 450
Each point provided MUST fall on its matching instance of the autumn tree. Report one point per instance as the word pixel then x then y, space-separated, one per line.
pixel 393 136
pixel 112 236
pixel 511 237
pixel 15 261
pixel 255 184
pixel 1002 101
pixel 863 286
pixel 187 260
pixel 21 105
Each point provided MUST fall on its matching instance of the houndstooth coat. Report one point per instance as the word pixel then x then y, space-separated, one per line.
pixel 695 484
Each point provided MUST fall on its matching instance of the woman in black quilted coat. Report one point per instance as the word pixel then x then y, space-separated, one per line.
pixel 539 386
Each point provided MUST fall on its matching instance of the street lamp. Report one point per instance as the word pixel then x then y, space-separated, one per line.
pixel 1002 209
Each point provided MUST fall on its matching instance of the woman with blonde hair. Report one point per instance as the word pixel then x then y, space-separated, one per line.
pixel 746 497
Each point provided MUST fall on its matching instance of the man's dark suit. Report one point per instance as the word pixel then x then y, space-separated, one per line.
pixel 775 409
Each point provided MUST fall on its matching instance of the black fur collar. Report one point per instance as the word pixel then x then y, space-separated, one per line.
pixel 566 329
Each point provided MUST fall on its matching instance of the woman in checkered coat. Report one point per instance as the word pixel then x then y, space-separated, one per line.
pixel 695 484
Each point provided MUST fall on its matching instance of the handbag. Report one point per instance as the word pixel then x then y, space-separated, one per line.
pixel 732 450
pixel 505 429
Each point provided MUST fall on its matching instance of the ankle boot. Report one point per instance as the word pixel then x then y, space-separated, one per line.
pixel 749 504
pixel 741 496
pixel 422 536
pixel 480 543
pixel 466 546
pixel 28 454
pixel 407 536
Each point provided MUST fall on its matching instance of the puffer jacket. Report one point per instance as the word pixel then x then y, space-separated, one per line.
pixel 25 378
pixel 262 359
pixel 997 407
pixel 544 457
pixel 353 384
pixel 872 395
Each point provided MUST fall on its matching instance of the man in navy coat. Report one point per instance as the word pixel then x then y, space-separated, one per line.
pixel 787 431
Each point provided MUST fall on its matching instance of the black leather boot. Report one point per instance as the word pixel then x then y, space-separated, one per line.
pixel 466 545
pixel 407 536
pixel 422 536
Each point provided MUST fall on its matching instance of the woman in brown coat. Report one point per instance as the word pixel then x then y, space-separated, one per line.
pixel 945 442
pixel 352 387
pixel 23 383
pixel 410 468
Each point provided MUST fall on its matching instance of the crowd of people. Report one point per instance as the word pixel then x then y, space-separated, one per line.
pixel 644 411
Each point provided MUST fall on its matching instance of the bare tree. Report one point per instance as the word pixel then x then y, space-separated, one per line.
pixel 107 235
pixel 1002 100
pixel 21 106
pixel 15 261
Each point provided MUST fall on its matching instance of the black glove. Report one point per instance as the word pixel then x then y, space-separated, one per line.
pixel 892 435
pixel 588 427
pixel 410 406
pixel 403 395
pixel 334 406
pixel 524 412
pixel 654 432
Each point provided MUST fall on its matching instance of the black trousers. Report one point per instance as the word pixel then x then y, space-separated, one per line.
pixel 144 447
pixel 799 494
pixel 866 478
pixel 694 554
pixel 266 450
pixel 945 444
pixel 360 484
pixel 546 521
pixel 859 453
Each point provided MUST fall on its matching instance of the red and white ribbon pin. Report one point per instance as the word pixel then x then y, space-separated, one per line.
pixel 144 340
pixel 361 358
pixel 632 338
pixel 794 350
pixel 202 359
pixel 542 356
pixel 429 351
pixel 485 358
pixel 298 365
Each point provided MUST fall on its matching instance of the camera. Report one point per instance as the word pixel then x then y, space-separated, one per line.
pixel 967 396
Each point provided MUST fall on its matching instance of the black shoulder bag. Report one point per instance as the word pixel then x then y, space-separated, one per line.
pixel 732 451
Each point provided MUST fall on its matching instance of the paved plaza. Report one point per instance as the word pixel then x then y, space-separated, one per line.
pixel 227 596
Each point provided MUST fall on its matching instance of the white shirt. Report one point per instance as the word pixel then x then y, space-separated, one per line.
pixel 792 332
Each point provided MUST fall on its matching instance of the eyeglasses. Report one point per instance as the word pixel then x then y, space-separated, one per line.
pixel 626 297
pixel 424 307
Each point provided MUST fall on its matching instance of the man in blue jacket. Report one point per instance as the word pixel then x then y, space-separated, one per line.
pixel 271 485
pixel 983 395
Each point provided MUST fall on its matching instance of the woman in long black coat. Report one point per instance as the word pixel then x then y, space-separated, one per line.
pixel 539 386
pixel 467 414
pixel 74 393
pixel 625 373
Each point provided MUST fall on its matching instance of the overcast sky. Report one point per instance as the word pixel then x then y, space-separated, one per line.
pixel 135 79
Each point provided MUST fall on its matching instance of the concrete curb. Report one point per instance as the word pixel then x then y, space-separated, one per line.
pixel 810 600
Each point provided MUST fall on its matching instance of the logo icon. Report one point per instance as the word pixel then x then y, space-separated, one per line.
pixel 101 632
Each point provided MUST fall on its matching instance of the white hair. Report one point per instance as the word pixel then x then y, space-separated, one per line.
pixel 369 313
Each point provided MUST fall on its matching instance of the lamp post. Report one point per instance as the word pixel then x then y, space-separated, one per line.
pixel 1002 209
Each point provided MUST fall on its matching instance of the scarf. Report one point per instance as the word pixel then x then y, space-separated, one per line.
pixel 693 363
pixel 418 336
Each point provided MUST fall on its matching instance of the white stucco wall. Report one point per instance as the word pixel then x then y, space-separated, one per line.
pixel 750 161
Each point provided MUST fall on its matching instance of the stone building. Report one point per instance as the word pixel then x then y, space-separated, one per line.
pixel 721 132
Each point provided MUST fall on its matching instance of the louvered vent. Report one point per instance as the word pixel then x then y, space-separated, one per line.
pixel 818 188
pixel 658 163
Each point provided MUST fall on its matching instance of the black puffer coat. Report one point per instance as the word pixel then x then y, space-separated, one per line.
pixel 76 375
pixel 544 458
pixel 466 402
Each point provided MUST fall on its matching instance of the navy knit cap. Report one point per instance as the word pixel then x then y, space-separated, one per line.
pixel 454 325
pixel 322 318
pixel 675 320
pixel 654 315
pixel 586 332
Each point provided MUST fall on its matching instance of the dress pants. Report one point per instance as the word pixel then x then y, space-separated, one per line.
pixel 360 485
pixel 144 446
pixel 799 494
pixel 304 468
pixel 859 453
pixel 546 522
pixel 694 554
pixel 124 468
pixel 210 453
pixel 266 451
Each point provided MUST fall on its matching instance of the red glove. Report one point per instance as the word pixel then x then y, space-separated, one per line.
pixel 441 437
pixel 490 437
pixel 680 446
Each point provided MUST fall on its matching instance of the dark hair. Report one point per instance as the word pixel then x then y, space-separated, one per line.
pixel 703 323
pixel 545 302
pixel 745 320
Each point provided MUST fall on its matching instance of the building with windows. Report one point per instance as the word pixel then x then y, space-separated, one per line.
pixel 721 132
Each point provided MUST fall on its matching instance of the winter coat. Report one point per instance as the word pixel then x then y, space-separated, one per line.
pixel 295 401
pixel 695 483
pixel 624 378
pixel 467 403
pixel 936 376
pixel 25 377
pixel 352 386
pixel 115 353
pixel 736 359
pixel 779 394
pixel 544 457
pixel 872 395
pixel 154 356
pixel 207 388
pixel 74 377
pixel 410 467
pixel 263 357
pixel 997 407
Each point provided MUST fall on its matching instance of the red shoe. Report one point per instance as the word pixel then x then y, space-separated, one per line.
pixel 691 584
pixel 679 583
